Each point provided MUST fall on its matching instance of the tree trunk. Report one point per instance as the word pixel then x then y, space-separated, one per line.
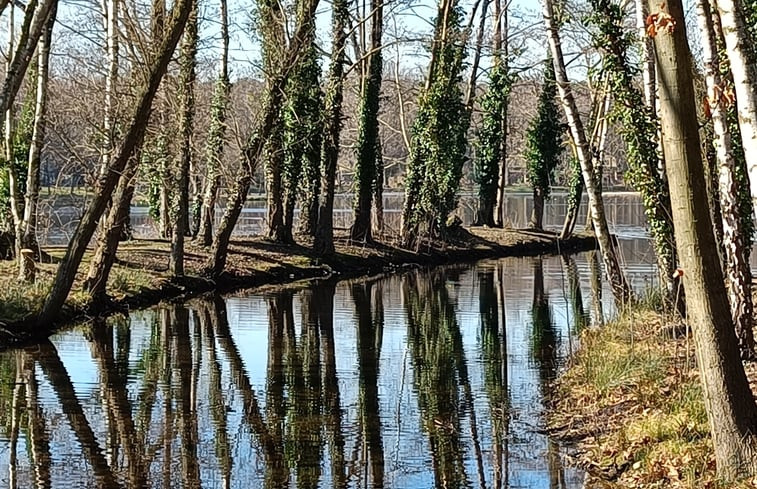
pixel 378 191
pixel 620 288
pixel 730 406
pixel 368 133
pixel 737 272
pixel 187 98
pixel 29 223
pixel 744 70
pixel 323 243
pixel 35 20
pixel 256 141
pixel 537 213
pixel 133 138
pixel 215 141
pixel 501 48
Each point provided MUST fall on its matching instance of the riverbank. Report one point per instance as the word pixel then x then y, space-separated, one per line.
pixel 140 277
pixel 630 406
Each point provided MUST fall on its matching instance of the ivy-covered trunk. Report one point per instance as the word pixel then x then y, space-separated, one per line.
pixel 302 139
pixel 490 141
pixel 216 135
pixel 439 141
pixel 544 144
pixel 324 237
pixel 368 133
pixel 639 131
pixel 187 98
pixel 256 141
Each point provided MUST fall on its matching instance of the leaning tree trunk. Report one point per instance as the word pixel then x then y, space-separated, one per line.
pixel 744 70
pixel 323 243
pixel 133 138
pixel 368 134
pixel 256 142
pixel 737 272
pixel 186 83
pixel 620 288
pixel 730 406
pixel 29 224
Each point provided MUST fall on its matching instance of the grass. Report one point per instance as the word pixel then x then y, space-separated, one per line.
pixel 632 402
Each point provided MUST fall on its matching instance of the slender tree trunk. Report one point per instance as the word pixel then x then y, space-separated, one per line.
pixel 537 213
pixel 621 289
pixel 35 20
pixel 29 223
pixel 378 191
pixel 730 406
pixel 186 82
pixel 323 243
pixel 738 274
pixel 744 70
pixel 368 133
pixel 501 49
pixel 215 142
pixel 133 138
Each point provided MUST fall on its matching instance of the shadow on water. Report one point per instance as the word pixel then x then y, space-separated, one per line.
pixel 427 379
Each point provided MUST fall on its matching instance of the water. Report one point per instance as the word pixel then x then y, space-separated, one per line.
pixel 420 380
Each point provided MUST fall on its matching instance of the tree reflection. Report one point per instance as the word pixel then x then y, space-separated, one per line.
pixel 581 318
pixel 544 350
pixel 494 350
pixel 369 338
pixel 433 334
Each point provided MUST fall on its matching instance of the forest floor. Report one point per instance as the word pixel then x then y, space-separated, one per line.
pixel 630 406
pixel 140 276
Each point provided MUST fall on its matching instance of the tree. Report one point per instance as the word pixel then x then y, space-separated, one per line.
pixel 187 102
pixel 257 139
pixel 730 406
pixel 133 137
pixel 439 134
pixel 743 62
pixel 491 140
pixel 736 263
pixel 639 131
pixel 367 143
pixel 621 289
pixel 324 236
pixel 544 144
pixel 215 142
pixel 28 226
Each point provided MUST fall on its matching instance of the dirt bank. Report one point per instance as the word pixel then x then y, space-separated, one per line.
pixel 140 277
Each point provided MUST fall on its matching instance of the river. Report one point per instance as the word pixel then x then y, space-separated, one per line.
pixel 429 378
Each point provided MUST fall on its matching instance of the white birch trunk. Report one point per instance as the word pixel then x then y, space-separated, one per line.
pixel 744 72
pixel 620 288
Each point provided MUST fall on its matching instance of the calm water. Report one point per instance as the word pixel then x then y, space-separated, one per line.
pixel 421 380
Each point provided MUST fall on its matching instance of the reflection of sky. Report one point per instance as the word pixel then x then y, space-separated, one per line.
pixel 406 446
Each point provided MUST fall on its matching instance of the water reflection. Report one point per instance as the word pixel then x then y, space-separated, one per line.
pixel 428 379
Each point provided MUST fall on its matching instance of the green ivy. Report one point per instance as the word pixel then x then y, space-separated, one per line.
pixel 438 149
pixel 303 127
pixel 491 136
pixel 544 137
pixel 638 125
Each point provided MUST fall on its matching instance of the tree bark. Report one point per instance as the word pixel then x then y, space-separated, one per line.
pixel 29 223
pixel 187 80
pixel 215 142
pixel 620 288
pixel 730 406
pixel 133 138
pixel 368 134
pixel 744 70
pixel 323 243
pixel 737 272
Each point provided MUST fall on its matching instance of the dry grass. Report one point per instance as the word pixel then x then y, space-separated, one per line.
pixel 632 403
